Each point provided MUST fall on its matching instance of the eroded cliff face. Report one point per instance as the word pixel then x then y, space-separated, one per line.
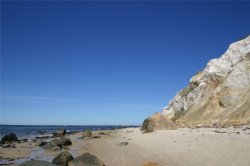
pixel 219 94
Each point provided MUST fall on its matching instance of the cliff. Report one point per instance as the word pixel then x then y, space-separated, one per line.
pixel 219 94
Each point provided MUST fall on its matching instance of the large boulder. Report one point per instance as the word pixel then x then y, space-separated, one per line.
pixel 86 159
pixel 63 158
pixel 59 133
pixel 9 138
pixel 37 163
pixel 65 141
pixel 157 122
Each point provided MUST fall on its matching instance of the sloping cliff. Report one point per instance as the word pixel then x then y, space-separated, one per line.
pixel 219 94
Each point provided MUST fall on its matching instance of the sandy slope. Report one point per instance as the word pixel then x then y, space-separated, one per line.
pixel 180 147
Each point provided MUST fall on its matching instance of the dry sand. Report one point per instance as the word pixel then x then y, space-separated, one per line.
pixel 181 147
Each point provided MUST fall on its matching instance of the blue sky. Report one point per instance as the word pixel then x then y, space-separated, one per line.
pixel 107 62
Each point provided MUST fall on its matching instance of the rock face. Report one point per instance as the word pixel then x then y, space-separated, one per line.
pixel 157 122
pixel 63 158
pixel 8 138
pixel 37 163
pixel 86 159
pixel 219 94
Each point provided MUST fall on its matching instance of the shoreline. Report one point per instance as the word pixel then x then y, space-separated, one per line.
pixel 183 146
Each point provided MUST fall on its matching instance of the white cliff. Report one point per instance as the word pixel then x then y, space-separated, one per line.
pixel 218 94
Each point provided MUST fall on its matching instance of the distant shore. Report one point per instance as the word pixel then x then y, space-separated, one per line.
pixel 129 147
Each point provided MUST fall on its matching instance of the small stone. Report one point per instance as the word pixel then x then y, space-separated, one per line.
pixel 123 143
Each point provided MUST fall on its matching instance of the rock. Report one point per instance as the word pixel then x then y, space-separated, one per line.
pixel 87 133
pixel 65 141
pixel 63 158
pixel 9 138
pixel 41 143
pixel 51 144
pixel 157 122
pixel 219 94
pixel 86 159
pixel 123 144
pixel 59 133
pixel 37 163
pixel 57 142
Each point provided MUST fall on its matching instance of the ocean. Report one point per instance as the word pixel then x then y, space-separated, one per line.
pixel 30 131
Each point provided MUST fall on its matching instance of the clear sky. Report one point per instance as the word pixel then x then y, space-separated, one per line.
pixel 107 62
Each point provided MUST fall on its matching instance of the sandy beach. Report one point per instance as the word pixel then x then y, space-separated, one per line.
pixel 129 147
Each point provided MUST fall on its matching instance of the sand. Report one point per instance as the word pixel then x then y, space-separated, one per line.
pixel 181 147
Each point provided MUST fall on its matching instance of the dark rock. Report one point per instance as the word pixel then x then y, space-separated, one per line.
pixel 65 141
pixel 157 122
pixel 123 144
pixel 51 144
pixel 9 138
pixel 37 163
pixel 57 142
pixel 63 158
pixel 86 159
pixel 87 133
pixel 59 133
pixel 96 136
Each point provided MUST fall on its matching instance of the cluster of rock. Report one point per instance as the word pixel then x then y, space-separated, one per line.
pixel 219 94
pixel 66 159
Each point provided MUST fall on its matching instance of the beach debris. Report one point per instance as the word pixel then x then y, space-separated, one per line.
pixel 157 122
pixel 86 159
pixel 63 158
pixel 9 146
pixel 59 133
pixel 9 138
pixel 96 136
pixel 37 163
pixel 246 128
pixel 217 131
pixel 123 144
pixel 129 131
pixel 87 133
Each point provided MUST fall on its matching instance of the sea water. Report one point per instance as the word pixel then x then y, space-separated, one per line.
pixel 30 131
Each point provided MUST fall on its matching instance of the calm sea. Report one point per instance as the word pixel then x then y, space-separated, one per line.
pixel 29 131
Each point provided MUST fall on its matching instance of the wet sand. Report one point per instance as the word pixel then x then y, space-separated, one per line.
pixel 181 147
